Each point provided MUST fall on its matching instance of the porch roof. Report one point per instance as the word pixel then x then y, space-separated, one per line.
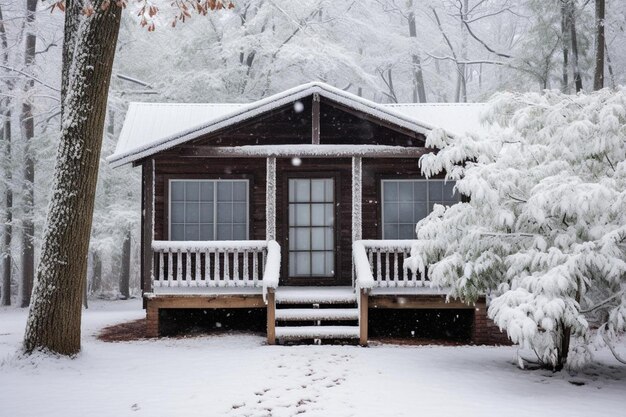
pixel 153 127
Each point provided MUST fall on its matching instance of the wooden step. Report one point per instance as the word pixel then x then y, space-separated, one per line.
pixel 294 314
pixel 317 332
pixel 315 295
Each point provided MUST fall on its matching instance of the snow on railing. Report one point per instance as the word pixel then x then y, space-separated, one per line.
pixel 224 263
pixel 272 268
pixel 362 268
pixel 380 263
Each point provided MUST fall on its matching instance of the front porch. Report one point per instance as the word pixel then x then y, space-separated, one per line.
pixel 245 274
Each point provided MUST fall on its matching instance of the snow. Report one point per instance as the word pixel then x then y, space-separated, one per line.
pixel 270 198
pixel 456 118
pixel 310 150
pixel 421 290
pixel 239 375
pixel 363 270
pixel 153 127
pixel 317 314
pixel 313 295
pixel 543 225
pixel 204 245
pixel 318 332
pixel 146 122
pixel 271 274
pixel 194 291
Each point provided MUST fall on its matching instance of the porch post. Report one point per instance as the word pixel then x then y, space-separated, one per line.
pixel 270 200
pixel 271 316
pixel 357 232
pixel 147 223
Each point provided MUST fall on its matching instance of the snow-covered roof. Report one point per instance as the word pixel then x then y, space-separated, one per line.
pixel 153 127
pixel 455 118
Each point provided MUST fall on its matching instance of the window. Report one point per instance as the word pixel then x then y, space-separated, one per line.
pixel 405 202
pixel 208 209
pixel 311 227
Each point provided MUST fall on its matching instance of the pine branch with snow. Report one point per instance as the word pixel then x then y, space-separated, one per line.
pixel 544 226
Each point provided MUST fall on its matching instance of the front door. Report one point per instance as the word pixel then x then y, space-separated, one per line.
pixel 311 240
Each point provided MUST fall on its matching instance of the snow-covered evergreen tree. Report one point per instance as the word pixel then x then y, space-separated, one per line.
pixel 543 228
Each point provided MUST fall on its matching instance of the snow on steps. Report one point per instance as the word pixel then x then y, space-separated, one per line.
pixel 317 332
pixel 315 295
pixel 317 314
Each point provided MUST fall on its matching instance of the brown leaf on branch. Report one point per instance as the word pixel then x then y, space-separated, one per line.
pixel 88 10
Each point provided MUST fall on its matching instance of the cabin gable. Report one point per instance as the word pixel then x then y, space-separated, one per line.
pixel 306 121
pixel 341 125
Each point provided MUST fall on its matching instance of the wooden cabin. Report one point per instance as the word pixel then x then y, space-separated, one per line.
pixel 303 204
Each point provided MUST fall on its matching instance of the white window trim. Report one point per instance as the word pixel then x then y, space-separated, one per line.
pixel 382 196
pixel 216 180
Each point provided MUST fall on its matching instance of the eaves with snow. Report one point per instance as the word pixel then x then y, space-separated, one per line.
pixel 150 128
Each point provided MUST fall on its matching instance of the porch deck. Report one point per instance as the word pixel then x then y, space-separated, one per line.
pixel 246 275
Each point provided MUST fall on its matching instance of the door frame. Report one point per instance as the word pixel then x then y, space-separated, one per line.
pixel 284 238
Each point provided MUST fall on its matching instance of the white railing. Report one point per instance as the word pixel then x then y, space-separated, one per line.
pixel 215 263
pixel 380 263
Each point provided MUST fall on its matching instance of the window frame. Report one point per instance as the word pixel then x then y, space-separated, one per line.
pixel 428 201
pixel 215 181
pixel 283 201
pixel 311 227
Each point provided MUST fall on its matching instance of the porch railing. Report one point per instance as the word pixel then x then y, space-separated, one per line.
pixel 380 263
pixel 216 263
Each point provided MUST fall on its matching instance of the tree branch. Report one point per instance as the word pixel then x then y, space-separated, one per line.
pixel 31 77
pixel 484 44
pixel 133 80
pixel 611 348
pixel 603 303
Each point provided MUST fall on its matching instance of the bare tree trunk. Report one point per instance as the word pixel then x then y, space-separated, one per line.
pixel 462 68
pixel 96 278
pixel 578 82
pixel 88 50
pixel 125 272
pixel 609 66
pixel 7 221
pixel 565 41
pixel 419 92
pixel 389 83
pixel 563 349
pixel 28 132
pixel 598 75
pixel 5 252
pixel 359 90
pixel 85 302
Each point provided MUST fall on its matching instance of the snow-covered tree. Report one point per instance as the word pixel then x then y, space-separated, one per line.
pixel 543 226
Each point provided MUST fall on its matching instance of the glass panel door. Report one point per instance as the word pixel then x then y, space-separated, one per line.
pixel 311 227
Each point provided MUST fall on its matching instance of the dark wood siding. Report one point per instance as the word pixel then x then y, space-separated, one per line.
pixel 340 125
pixel 253 169
pixel 284 125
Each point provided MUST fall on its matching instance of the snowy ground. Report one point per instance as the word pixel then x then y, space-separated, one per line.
pixel 238 375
